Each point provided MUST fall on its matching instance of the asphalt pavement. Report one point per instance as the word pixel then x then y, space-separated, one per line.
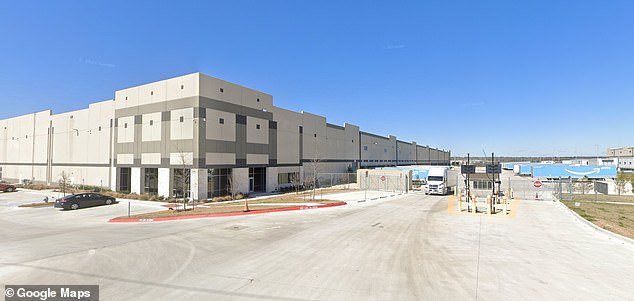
pixel 393 247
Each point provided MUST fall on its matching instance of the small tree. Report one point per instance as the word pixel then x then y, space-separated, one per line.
pixel 182 178
pixel 64 181
pixel 295 180
pixel 585 184
pixel 621 180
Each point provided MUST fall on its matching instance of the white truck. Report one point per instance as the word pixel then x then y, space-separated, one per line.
pixel 440 180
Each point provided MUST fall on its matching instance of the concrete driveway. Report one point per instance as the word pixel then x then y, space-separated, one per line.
pixel 405 247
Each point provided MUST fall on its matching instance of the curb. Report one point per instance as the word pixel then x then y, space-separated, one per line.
pixel 171 218
pixel 597 228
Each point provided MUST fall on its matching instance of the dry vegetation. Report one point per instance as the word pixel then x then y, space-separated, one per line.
pixel 618 218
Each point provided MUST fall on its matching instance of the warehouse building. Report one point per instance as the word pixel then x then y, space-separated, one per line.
pixel 213 135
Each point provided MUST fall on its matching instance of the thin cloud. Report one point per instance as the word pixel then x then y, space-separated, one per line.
pixel 473 104
pixel 96 63
pixel 399 46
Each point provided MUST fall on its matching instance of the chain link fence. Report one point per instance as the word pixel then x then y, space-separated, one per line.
pixel 391 183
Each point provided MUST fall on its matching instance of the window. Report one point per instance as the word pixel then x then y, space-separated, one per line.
pixel 124 179
pixel 180 182
pixel 365 147
pixel 125 125
pixel 71 116
pixel 151 122
pixel 221 121
pixel 151 181
pixel 257 126
pixel 287 178
pixel 182 87
pixel 218 182
pixel 100 128
pixel 352 140
pixel 182 119
pixel 151 92
pixel 385 150
pixel 126 98
pixel 315 135
pixel 222 90
pixel 258 100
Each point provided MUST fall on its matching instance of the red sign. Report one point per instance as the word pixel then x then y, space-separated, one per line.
pixel 382 178
pixel 537 184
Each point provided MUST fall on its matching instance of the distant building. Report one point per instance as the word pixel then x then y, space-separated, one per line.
pixel 619 152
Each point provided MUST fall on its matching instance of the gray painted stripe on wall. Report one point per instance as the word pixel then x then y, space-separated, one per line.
pixel 272 146
pixel 301 144
pixel 241 141
pixel 330 160
pixel 174 146
pixel 220 146
pixel 241 119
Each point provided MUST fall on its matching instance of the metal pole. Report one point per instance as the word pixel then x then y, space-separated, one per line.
pixel 128 208
pixel 468 184
pixel 492 206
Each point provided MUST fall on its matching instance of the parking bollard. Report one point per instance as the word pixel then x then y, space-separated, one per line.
pixel 488 204
pixel 459 202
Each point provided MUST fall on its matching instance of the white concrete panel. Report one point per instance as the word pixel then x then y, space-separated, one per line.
pixel 179 159
pixel 198 184
pixel 125 158
pixel 271 179
pixel 151 127
pixel 220 158
pixel 257 130
pixel 181 124
pixel 151 158
pixel 164 181
pixel 215 88
pixel 181 87
pixel 220 125
pixel 257 159
pixel 135 180
pixel 125 129
pixel 113 178
pixel 288 123
pixel 240 180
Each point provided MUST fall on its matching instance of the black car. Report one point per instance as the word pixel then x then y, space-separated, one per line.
pixel 82 200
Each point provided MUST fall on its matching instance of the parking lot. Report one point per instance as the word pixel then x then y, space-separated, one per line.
pixel 389 247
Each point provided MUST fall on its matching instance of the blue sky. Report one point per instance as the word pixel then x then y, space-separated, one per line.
pixel 516 78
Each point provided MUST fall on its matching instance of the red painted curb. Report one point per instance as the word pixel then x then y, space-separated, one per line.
pixel 162 219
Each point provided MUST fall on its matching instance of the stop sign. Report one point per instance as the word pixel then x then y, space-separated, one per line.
pixel 537 184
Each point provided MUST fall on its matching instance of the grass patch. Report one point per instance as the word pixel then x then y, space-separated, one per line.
pixel 612 217
pixel 603 198
pixel 238 206
pixel 38 205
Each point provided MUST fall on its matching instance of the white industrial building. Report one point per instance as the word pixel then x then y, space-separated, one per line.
pixel 216 132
